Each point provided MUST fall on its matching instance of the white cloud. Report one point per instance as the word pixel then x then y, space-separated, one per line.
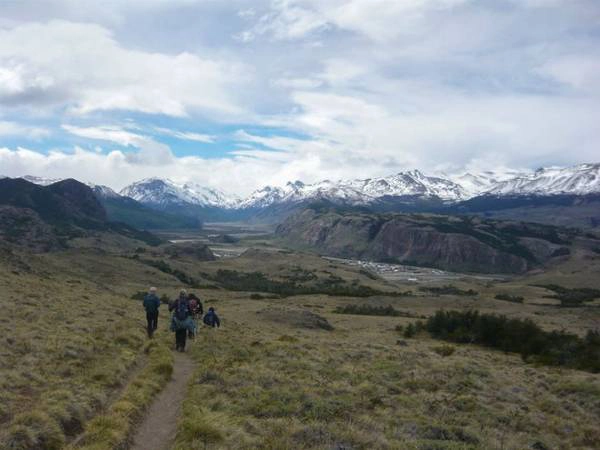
pixel 187 135
pixel 151 152
pixel 373 86
pixel 83 67
pixel 13 129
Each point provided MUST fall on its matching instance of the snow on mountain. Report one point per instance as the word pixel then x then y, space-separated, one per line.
pixel 580 180
pixel 99 189
pixel 103 191
pixel 41 180
pixel 165 192
pixel 476 183
pixel 358 192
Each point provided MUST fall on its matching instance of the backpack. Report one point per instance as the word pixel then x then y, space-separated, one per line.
pixel 195 306
pixel 209 320
pixel 182 309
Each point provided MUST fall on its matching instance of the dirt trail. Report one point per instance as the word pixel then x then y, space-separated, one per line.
pixel 157 431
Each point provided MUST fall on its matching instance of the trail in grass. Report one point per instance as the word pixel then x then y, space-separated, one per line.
pixel 157 431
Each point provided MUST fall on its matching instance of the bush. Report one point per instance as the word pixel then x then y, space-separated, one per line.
pixel 571 297
pixel 521 336
pixel 258 281
pixel 444 350
pixel 369 310
pixel 166 268
pixel 410 330
pixel 562 251
pixel 509 298
pixel 139 295
pixel 448 290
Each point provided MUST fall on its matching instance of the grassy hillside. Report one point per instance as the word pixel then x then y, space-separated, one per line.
pixel 278 383
pixel 301 369
pixel 135 214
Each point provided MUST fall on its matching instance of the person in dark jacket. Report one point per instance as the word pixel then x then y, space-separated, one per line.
pixel 181 321
pixel 197 310
pixel 151 304
pixel 211 319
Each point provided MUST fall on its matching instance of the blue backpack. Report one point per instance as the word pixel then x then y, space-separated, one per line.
pixel 209 319
pixel 182 310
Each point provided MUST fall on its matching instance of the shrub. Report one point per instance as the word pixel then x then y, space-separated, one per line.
pixel 410 330
pixel 258 281
pixel 571 297
pixel 166 268
pixel 516 335
pixel 509 298
pixel 139 295
pixel 368 310
pixel 444 350
pixel 562 251
pixel 448 290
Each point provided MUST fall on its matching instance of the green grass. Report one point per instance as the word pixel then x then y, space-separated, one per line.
pixel 113 428
pixel 572 296
pixel 371 310
pixel 258 388
pixel 71 336
pixel 509 298
pixel 75 360
pixel 525 337
pixel 447 290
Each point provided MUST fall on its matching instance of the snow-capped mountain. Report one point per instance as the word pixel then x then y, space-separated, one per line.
pixel 477 183
pixel 358 192
pixel 165 192
pixel 405 187
pixel 579 180
pixel 103 191
pixel 41 180
pixel 99 189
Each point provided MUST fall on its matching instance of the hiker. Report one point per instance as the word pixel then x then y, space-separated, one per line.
pixel 151 304
pixel 181 321
pixel 196 310
pixel 195 306
pixel 211 319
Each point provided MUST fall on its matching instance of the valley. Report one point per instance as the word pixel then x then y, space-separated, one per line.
pixel 320 345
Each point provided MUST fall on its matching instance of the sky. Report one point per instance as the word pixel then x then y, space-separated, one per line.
pixel 240 94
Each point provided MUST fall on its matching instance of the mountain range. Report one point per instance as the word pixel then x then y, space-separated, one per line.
pixel 578 180
pixel 152 198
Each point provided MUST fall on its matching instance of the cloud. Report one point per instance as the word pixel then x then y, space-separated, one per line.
pixel 343 88
pixel 150 152
pixel 187 135
pixel 8 128
pixel 98 74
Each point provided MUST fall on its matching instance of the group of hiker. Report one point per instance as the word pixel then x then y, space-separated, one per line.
pixel 186 311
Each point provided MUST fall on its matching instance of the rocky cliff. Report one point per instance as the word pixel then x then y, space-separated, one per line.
pixel 446 242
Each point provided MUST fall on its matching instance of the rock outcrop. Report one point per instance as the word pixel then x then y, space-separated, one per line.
pixel 445 242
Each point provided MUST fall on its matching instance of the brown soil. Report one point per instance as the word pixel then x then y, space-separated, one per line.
pixel 157 431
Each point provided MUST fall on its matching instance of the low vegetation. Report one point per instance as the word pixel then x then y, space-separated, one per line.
pixel 234 280
pixel 113 428
pixel 572 297
pixel 557 348
pixel 166 268
pixel 510 298
pixel 372 310
pixel 266 385
pixel 447 290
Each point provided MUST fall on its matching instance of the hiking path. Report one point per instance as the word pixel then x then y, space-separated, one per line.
pixel 158 428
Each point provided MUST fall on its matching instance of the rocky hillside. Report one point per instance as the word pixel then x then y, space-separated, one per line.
pixel 446 242
pixel 66 201
pixel 46 217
